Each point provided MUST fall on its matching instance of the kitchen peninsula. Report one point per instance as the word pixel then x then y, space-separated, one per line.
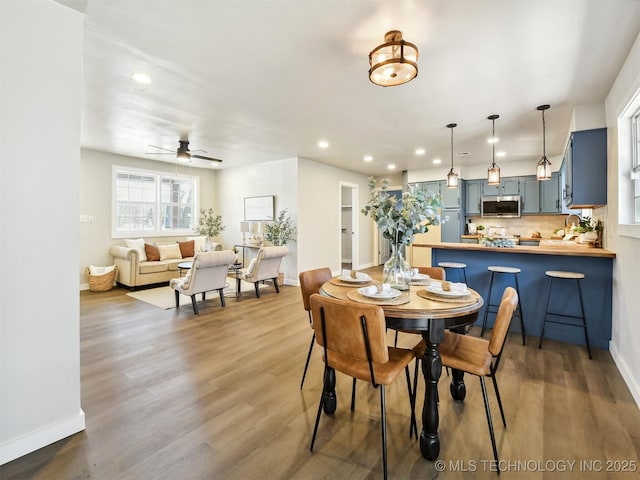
pixel 534 261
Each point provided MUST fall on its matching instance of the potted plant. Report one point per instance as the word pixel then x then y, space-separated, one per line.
pixel 210 225
pixel 399 220
pixel 586 230
pixel 281 231
pixel 480 230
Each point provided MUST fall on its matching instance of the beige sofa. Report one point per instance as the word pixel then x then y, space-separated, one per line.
pixel 134 273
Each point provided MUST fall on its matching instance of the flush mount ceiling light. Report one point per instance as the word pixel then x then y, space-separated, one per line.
pixel 323 144
pixel 493 173
pixel 420 151
pixel 141 78
pixel 452 176
pixel 543 171
pixel 394 62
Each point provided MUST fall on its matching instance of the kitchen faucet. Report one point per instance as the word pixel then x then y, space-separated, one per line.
pixel 566 222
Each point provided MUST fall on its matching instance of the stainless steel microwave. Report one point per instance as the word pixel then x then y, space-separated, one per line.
pixel 501 206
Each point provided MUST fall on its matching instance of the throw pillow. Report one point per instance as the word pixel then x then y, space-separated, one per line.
pixel 168 252
pixel 252 266
pixel 152 252
pixel 187 249
pixel 139 246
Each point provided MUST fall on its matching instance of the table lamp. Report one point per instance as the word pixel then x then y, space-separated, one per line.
pixel 244 228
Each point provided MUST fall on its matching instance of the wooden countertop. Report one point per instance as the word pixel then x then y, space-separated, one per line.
pixel 536 250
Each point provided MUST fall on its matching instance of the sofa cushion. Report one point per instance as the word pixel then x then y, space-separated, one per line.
pixel 172 264
pixel 187 249
pixel 170 251
pixel 152 267
pixel 137 245
pixel 152 252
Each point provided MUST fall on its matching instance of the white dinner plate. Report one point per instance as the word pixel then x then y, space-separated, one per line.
pixel 420 277
pixel 436 288
pixel 361 278
pixel 384 295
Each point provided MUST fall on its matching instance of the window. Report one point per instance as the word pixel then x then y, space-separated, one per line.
pixel 152 203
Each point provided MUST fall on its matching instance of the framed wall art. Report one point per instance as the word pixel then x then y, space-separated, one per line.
pixel 259 208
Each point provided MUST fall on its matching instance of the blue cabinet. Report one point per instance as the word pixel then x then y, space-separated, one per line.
pixel 508 186
pixel 585 164
pixel 452 225
pixel 550 194
pixel 530 194
pixel 473 190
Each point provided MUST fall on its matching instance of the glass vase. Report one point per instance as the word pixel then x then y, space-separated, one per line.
pixel 396 271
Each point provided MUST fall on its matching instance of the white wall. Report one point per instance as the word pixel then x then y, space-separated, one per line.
pixel 278 178
pixel 624 240
pixel 39 170
pixel 319 217
pixel 95 200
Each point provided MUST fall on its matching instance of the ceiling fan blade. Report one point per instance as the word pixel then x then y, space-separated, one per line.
pixel 202 157
pixel 159 153
pixel 162 148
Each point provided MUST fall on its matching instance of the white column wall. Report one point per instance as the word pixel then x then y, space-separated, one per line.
pixel 41 57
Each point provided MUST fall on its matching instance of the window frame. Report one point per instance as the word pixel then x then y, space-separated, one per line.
pixel 158 205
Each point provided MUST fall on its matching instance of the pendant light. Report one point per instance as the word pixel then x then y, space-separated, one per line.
pixel 543 171
pixel 493 173
pixel 452 176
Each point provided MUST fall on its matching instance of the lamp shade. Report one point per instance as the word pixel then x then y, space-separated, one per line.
pixel 394 62
pixel 244 227
pixel 254 227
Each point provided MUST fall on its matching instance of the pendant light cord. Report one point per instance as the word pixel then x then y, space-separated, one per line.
pixel 493 143
pixel 451 148
pixel 544 139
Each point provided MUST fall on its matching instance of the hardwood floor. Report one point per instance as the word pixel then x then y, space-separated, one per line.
pixel 170 395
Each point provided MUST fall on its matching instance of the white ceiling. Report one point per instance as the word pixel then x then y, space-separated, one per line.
pixel 255 81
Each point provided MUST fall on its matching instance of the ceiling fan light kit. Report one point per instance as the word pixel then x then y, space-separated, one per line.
pixel 452 176
pixel 493 173
pixel 394 62
pixel 543 170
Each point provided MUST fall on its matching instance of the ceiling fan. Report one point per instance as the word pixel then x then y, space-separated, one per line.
pixel 183 152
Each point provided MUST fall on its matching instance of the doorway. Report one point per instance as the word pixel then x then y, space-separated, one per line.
pixel 348 226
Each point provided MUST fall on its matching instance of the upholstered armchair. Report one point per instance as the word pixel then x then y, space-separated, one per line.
pixel 265 266
pixel 208 273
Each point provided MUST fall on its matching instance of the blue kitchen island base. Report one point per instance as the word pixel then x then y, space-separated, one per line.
pixel 533 283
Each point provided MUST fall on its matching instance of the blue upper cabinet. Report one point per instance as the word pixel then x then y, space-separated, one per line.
pixel 550 194
pixel 508 186
pixel 451 196
pixel 473 190
pixel 530 193
pixel 585 163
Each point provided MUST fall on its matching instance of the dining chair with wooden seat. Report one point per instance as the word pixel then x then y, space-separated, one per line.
pixel 481 357
pixel 354 341
pixel 310 283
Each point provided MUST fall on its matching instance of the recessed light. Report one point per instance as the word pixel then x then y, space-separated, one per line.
pixel 437 161
pixel 368 158
pixel 215 164
pixel 391 166
pixel 493 140
pixel 420 151
pixel 501 154
pixel 323 144
pixel 141 78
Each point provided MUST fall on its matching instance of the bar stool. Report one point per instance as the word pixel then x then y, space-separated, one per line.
pixel 558 275
pixel 496 269
pixel 457 267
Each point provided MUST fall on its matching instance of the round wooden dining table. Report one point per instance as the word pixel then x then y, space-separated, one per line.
pixel 425 313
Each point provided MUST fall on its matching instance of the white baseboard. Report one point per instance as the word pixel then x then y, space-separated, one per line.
pixel 625 371
pixel 84 286
pixel 42 438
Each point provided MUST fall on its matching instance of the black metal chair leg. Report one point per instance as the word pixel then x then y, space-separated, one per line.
pixel 524 333
pixel 383 421
pixel 413 425
pixel 275 284
pixel 177 298
pixel 584 319
pixel 306 365
pixel 395 342
pixel 489 421
pixel 221 296
pixel 315 429
pixel 353 395
pixel 486 307
pixel 257 287
pixel 546 309
pixel 495 387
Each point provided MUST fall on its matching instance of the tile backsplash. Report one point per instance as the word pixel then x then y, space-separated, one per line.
pixel 525 225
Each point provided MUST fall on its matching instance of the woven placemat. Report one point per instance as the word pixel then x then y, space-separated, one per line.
pixel 358 297
pixel 466 300
pixel 342 283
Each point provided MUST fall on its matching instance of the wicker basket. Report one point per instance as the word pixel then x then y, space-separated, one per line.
pixel 102 283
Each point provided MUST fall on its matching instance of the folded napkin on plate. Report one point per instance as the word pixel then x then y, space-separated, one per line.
pixel 454 287
pixel 359 275
pixel 373 289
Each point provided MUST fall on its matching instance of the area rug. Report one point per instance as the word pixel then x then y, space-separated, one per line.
pixel 163 297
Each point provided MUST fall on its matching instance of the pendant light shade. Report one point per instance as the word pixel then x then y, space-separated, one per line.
pixel 493 173
pixel 543 170
pixel 394 62
pixel 452 176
